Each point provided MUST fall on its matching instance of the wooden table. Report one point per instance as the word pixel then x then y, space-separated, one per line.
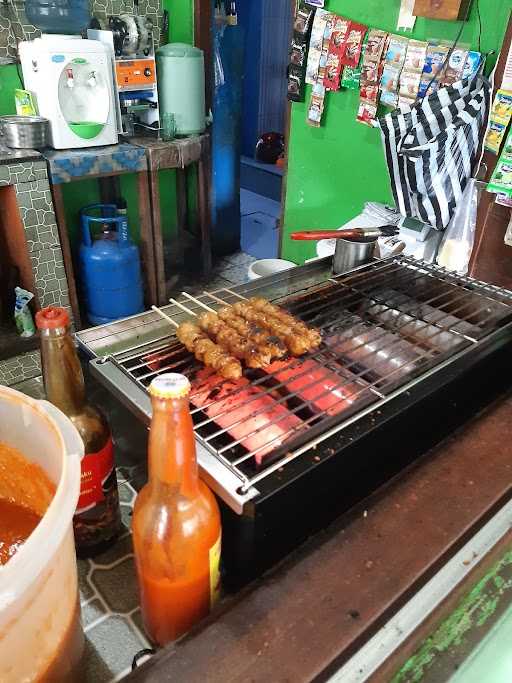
pixel 305 618
pixel 179 155
pixel 70 165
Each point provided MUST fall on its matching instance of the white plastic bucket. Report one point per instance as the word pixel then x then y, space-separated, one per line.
pixel 40 633
pixel 269 266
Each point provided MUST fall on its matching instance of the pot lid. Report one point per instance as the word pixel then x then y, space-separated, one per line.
pixel 179 50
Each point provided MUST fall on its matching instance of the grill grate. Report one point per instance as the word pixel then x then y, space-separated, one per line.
pixel 382 326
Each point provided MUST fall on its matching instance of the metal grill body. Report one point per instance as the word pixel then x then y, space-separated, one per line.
pixel 392 331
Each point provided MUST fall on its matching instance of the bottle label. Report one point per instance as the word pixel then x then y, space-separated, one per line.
pixel 96 469
pixel 215 572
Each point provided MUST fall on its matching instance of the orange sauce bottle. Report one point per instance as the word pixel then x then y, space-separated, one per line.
pixel 176 521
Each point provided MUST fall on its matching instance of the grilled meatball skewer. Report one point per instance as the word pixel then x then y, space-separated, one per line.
pixel 297 344
pixel 209 353
pixel 228 338
pixel 268 343
pixel 298 326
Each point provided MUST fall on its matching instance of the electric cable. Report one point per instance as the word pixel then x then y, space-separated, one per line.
pixel 479 25
pixel 451 50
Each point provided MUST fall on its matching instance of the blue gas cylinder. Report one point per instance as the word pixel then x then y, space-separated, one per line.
pixel 109 266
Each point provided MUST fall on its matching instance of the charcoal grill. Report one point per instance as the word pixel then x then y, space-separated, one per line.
pixel 409 352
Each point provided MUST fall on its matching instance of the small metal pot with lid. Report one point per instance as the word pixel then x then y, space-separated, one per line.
pixel 354 246
pixel 25 132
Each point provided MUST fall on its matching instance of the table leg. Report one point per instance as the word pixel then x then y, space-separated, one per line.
pixel 60 215
pixel 157 236
pixel 182 210
pixel 204 210
pixel 110 189
pixel 147 247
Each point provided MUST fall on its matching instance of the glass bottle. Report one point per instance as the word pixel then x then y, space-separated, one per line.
pixel 231 13
pixel 176 521
pixel 97 521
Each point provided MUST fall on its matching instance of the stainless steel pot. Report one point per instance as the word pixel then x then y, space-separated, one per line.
pixel 354 246
pixel 350 254
pixel 25 132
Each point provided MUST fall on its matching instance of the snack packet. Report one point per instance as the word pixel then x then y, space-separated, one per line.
pixel 333 63
pixel 389 85
pixel 472 65
pixel 397 49
pixel 455 68
pixel 502 107
pixel 22 314
pixel 353 44
pixel 495 136
pixel 435 64
pixel 299 51
pixel 371 72
pixel 352 76
pixel 316 106
pixel 501 180
pixel 316 44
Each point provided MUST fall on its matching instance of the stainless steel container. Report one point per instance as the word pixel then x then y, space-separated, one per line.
pixel 350 254
pixel 25 132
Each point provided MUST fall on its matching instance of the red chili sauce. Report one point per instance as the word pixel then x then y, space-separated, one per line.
pixel 16 525
pixel 25 494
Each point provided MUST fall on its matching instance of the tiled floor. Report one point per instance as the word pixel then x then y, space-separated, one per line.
pixel 110 604
pixel 108 589
pixel 227 271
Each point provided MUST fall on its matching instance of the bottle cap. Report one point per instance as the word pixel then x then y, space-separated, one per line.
pixel 52 318
pixel 170 385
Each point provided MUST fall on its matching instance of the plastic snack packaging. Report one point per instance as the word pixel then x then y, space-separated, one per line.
pixel 22 315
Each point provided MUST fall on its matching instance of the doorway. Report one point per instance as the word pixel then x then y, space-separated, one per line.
pixel 266 25
pixel 246 193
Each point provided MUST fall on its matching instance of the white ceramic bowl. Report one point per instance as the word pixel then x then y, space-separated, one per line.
pixel 269 266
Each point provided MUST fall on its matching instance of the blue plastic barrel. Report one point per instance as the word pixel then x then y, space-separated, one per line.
pixel 226 143
pixel 59 16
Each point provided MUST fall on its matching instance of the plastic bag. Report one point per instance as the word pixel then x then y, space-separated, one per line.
pixel 459 238
pixel 432 148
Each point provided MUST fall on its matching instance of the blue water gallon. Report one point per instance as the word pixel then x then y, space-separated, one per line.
pixel 109 266
pixel 59 16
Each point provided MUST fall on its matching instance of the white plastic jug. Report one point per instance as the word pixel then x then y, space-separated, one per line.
pixel 40 633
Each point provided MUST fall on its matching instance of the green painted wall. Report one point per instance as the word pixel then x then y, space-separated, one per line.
pixel 77 195
pixel 181 24
pixel 9 81
pixel 334 169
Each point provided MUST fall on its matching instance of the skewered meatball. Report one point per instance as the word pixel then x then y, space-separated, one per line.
pixel 209 353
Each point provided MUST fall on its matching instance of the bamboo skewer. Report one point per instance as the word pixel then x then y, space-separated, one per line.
pixel 182 307
pixel 164 316
pixel 196 301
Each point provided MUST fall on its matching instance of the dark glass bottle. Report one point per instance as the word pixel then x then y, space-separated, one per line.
pixel 97 521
